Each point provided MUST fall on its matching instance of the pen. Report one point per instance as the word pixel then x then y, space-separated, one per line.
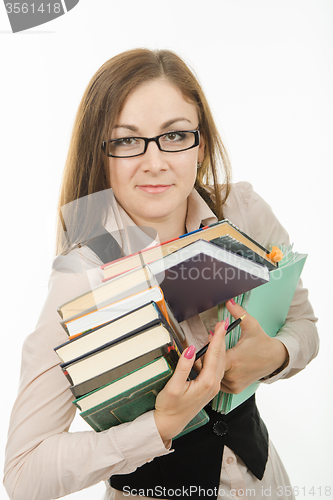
pixel 230 328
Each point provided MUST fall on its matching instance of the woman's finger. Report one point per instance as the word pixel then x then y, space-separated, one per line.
pixel 238 311
pixel 183 368
pixel 235 309
pixel 214 362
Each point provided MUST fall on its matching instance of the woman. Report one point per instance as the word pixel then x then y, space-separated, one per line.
pixel 164 186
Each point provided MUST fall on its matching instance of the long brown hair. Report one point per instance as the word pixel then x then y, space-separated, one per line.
pixel 86 169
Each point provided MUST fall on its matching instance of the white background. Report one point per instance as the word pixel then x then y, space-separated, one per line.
pixel 266 68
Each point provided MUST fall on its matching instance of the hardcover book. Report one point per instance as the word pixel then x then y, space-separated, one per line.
pixel 203 275
pixel 129 397
pixel 128 283
pixel 83 323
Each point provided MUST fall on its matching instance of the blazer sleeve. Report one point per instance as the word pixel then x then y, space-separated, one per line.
pixel 299 334
pixel 44 460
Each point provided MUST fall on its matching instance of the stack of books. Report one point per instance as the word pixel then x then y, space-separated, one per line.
pixel 124 335
pixel 124 344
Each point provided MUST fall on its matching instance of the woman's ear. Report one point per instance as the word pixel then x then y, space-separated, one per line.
pixel 201 151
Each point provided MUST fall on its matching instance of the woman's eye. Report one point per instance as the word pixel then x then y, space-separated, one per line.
pixel 126 141
pixel 174 136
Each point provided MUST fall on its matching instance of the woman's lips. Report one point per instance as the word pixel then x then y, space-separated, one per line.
pixel 152 189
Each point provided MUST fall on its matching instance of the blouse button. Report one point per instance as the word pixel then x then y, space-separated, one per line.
pixel 220 428
pixel 230 460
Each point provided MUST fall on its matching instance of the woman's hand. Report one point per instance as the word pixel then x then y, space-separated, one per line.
pixel 181 400
pixel 255 355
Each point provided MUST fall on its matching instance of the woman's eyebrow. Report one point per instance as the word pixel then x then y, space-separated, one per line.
pixel 129 127
pixel 165 125
pixel 175 120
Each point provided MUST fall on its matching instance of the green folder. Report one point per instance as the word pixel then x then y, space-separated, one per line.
pixel 269 304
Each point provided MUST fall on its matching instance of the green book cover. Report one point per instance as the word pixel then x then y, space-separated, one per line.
pixel 129 397
pixel 269 304
pixel 200 419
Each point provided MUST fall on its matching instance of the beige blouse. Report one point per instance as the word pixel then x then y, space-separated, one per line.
pixel 44 460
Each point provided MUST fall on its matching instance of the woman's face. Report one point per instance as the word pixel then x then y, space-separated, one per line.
pixel 154 187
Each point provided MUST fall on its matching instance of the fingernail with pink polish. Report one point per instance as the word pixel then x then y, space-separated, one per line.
pixel 189 353
pixel 226 324
pixel 211 332
pixel 233 302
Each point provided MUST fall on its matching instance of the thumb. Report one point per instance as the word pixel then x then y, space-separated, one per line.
pixel 238 311
pixel 235 309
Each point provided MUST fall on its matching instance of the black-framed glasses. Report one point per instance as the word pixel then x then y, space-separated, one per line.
pixel 171 142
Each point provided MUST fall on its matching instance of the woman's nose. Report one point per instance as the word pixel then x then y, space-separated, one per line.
pixel 154 159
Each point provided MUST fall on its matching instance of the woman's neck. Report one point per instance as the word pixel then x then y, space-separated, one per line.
pixel 166 229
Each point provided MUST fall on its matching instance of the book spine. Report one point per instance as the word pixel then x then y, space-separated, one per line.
pixel 59 311
pixel 162 306
pixel 67 375
pixel 123 338
pixel 179 332
pixel 105 378
pixel 193 232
